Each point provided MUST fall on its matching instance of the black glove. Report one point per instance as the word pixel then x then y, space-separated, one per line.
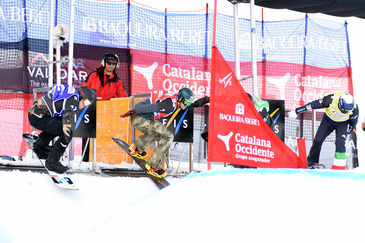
pixel 201 102
pixel 129 113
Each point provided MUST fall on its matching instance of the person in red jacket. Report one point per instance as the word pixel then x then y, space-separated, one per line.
pixel 107 84
pixel 105 79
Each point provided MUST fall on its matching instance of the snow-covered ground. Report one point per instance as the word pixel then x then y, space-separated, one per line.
pixel 222 205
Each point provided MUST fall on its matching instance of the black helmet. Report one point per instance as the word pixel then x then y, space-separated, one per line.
pixel 108 57
pixel 251 98
pixel 346 103
pixel 185 96
pixel 86 93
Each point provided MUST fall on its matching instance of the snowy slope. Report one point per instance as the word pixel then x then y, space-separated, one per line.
pixel 224 205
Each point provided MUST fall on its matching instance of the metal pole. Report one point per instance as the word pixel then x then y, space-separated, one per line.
pixel 58 62
pixel 71 43
pixel 50 43
pixel 253 48
pixel 70 65
pixel 236 39
pixel 191 167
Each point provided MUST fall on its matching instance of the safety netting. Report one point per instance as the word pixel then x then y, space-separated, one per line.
pixel 298 60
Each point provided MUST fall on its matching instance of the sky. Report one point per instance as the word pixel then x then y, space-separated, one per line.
pixel 220 205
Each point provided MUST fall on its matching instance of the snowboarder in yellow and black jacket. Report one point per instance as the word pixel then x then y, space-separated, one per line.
pixel 341 114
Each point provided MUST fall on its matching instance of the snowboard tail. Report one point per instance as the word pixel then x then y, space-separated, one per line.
pixel 62 181
pixel 160 182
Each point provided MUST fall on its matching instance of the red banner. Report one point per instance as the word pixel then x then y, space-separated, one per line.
pixel 154 71
pixel 237 132
pixel 295 83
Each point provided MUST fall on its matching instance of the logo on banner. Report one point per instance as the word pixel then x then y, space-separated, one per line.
pixel 226 80
pixel 240 109
pixel 226 139
pixel 280 84
pixel 147 73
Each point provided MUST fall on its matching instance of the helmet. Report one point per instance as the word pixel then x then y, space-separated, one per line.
pixel 110 56
pixel 346 103
pixel 185 96
pixel 251 98
pixel 86 93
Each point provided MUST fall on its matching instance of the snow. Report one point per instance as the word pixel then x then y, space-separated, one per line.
pixel 221 205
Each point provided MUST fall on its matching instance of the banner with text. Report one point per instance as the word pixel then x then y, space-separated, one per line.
pixel 237 132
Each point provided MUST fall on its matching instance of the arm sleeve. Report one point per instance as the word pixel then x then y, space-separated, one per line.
pixel 324 102
pixel 120 89
pixel 88 80
pixel 201 102
pixel 145 106
pixel 71 107
pixel 354 117
pixel 165 106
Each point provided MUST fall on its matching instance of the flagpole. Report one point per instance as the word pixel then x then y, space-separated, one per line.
pixel 214 23
pixel 212 85
pixel 253 48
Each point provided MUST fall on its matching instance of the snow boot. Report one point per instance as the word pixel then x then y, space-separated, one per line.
pixel 41 149
pixel 55 166
pixel 159 173
pixel 133 151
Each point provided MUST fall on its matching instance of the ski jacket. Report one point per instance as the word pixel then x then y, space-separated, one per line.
pixel 330 104
pixel 160 104
pixel 107 87
pixel 60 102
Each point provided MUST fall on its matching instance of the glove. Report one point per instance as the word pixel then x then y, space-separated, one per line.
pixel 292 114
pixel 201 102
pixel 129 113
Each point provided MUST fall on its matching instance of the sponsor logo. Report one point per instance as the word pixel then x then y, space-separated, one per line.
pixel 39 72
pixel 226 80
pixel 226 139
pixel 147 73
pixel 280 84
pixel 240 109
pixel 176 78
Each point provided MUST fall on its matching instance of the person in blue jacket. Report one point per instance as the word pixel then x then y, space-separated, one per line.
pixel 52 114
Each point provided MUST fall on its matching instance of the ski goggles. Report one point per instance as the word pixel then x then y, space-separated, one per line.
pixel 187 102
pixel 86 102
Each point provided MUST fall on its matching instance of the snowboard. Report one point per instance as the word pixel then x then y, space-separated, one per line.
pixel 160 182
pixel 62 181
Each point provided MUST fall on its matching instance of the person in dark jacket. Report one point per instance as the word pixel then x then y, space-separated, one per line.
pixel 341 115
pixel 52 114
pixel 145 117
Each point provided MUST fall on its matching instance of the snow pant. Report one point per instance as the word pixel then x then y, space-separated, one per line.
pixel 153 130
pixel 326 127
pixel 51 127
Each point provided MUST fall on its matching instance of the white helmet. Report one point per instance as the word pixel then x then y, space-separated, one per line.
pixel 346 103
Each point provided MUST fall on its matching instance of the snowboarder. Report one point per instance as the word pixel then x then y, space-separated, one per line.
pixel 144 118
pixel 341 114
pixel 52 114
